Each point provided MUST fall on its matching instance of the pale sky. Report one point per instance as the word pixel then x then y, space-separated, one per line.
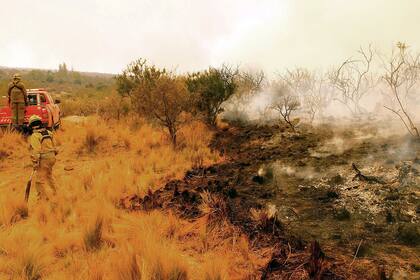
pixel 105 35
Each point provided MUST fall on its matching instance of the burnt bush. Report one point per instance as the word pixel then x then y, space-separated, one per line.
pixel 408 234
pixel 342 214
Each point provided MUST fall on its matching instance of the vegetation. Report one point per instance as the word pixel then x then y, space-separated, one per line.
pixel 249 84
pixel 285 102
pixel 169 100
pixel 131 134
pixel 84 232
pixel 353 80
pixel 408 234
pixel 402 72
pixel 155 94
pixel 211 88
pixel 310 88
pixel 80 93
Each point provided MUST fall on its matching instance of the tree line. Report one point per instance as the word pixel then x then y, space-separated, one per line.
pixel 164 97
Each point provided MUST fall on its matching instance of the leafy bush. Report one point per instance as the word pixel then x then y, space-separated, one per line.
pixel 155 94
pixel 211 88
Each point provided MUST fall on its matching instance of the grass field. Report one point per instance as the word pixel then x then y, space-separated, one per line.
pixel 83 234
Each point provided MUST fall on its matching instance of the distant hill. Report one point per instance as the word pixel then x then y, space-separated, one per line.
pixel 25 70
pixel 61 81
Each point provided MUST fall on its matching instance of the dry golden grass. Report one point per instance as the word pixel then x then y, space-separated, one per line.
pixel 12 145
pixel 82 234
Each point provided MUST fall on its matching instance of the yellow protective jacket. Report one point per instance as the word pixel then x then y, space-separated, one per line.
pixel 17 92
pixel 42 145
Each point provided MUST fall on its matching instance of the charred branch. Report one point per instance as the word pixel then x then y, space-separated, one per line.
pixel 370 179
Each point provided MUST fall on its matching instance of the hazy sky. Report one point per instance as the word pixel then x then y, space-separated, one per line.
pixel 105 35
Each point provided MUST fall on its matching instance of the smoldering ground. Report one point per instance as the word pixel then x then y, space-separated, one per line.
pixel 355 182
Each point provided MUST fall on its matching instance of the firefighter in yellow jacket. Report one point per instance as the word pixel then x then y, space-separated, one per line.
pixel 43 152
pixel 18 100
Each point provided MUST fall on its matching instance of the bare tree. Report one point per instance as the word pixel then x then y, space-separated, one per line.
pixel 311 89
pixel 249 83
pixel 285 102
pixel 402 72
pixel 317 98
pixel 353 79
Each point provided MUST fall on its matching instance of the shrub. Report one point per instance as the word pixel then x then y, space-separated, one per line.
pixel 214 206
pixel 409 234
pixel 342 214
pixel 91 140
pixel 156 94
pixel 211 88
pixel 285 102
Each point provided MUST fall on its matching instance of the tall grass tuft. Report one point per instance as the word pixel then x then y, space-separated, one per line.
pixel 91 141
pixel 133 270
pixel 12 210
pixel 93 235
pixel 31 269
pixel 214 207
pixel 174 272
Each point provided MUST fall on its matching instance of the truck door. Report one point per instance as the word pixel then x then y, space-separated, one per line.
pixel 54 109
pixel 45 102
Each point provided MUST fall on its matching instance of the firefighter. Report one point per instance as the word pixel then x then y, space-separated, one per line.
pixel 43 152
pixel 18 100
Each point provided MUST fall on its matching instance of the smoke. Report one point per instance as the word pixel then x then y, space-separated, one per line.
pixel 258 107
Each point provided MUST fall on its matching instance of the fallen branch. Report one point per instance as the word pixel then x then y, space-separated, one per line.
pixel 370 179
pixel 357 251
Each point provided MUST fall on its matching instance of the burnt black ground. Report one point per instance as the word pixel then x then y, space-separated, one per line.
pixel 247 148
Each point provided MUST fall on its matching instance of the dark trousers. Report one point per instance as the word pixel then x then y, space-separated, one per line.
pixel 18 113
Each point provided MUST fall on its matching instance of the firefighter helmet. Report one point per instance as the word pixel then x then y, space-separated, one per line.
pixel 35 121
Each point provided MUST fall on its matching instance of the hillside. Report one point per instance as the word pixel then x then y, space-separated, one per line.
pixel 81 93
pixel 60 81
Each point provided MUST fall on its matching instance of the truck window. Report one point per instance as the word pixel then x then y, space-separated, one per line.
pixel 32 99
pixel 42 98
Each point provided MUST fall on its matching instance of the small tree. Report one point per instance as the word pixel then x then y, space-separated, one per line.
pixel 402 72
pixel 211 88
pixel 353 80
pixel 309 87
pixel 155 94
pixel 285 102
pixel 113 107
pixel 137 73
pixel 317 98
pixel 62 71
pixel 249 83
